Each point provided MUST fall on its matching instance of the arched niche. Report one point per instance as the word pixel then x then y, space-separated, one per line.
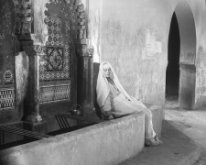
pixel 62 66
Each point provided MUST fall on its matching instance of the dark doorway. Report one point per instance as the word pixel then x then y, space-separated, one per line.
pixel 173 73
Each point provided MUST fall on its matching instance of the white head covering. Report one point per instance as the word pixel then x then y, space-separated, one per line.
pixel 103 87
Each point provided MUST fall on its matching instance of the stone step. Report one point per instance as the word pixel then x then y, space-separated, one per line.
pixel 177 149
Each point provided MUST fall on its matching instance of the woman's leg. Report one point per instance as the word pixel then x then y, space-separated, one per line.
pixel 151 138
pixel 149 129
pixel 122 107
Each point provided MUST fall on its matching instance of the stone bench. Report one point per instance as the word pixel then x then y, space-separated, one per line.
pixel 106 143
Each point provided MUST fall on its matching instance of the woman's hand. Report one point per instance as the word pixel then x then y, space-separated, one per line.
pixel 127 98
pixel 107 115
pixel 134 99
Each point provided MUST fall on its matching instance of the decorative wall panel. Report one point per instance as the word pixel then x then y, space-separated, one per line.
pixel 7 99
pixel 55 64
pixel 66 24
pixel 7 61
pixel 54 93
pixel 55 61
pixel 54 25
pixel 23 16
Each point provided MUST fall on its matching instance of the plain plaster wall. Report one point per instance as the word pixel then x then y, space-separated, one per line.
pixel 95 17
pixel 134 38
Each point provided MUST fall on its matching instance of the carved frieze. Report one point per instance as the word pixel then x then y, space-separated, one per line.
pixel 23 16
pixel 54 93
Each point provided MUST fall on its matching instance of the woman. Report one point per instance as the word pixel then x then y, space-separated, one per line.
pixel 114 101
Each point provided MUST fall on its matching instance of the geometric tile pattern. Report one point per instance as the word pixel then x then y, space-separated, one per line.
pixel 54 93
pixel 74 14
pixel 54 59
pixel 55 65
pixel 55 37
pixel 7 98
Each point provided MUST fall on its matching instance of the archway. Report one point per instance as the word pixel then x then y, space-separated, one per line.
pixel 187 55
pixel 172 76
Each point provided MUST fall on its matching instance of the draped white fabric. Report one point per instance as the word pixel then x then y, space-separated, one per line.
pixel 103 87
pixel 123 103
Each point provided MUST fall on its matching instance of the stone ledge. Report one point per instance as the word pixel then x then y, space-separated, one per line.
pixel 107 143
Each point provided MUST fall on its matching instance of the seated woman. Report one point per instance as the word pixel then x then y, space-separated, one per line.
pixel 114 101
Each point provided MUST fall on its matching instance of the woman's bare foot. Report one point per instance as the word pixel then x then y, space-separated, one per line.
pixel 158 140
pixel 153 142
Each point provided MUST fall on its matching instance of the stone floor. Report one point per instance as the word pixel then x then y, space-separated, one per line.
pixel 202 159
pixel 191 123
pixel 179 129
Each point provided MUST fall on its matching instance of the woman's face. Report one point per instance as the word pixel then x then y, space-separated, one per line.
pixel 107 71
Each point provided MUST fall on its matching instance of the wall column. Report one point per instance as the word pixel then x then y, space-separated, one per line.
pixel 85 78
pixel 31 105
pixel 187 86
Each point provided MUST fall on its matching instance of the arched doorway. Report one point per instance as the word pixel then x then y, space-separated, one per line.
pixel 172 79
pixel 181 56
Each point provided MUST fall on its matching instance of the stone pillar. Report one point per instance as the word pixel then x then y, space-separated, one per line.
pixel 31 105
pixel 187 86
pixel 85 78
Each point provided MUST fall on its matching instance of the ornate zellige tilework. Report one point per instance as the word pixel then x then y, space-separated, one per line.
pixel 55 63
pixel 55 60
pixel 7 98
pixel 54 25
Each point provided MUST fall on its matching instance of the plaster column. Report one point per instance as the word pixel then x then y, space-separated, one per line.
pixel 31 105
pixel 85 78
